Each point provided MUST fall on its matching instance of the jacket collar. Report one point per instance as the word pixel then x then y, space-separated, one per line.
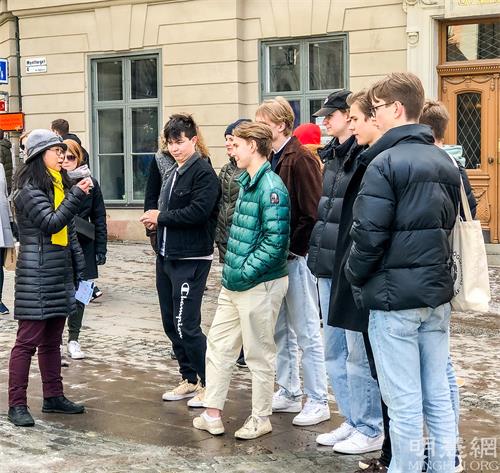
pixel 292 145
pixel 247 183
pixel 181 170
pixel 413 133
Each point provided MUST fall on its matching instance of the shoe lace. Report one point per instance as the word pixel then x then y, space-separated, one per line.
pixel 181 386
pixel 251 422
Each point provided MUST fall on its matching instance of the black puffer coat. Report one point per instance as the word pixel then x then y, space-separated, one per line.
pixel 339 167
pixel 402 218
pixel 44 286
pixel 93 209
pixel 230 190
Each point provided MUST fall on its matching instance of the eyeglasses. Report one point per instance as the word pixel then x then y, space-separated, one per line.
pixel 69 157
pixel 58 151
pixel 373 110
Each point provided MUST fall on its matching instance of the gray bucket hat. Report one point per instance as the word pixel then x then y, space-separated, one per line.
pixel 41 140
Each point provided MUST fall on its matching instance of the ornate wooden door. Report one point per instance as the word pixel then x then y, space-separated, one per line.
pixel 470 91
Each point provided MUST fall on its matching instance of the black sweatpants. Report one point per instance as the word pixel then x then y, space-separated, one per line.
pixel 386 455
pixel 180 285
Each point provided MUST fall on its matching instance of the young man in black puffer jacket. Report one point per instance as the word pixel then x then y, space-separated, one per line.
pixel 399 263
pixel 356 392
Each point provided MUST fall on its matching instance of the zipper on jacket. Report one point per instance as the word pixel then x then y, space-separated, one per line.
pixel 40 250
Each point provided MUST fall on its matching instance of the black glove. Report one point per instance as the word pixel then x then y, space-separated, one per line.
pixel 100 259
pixel 15 231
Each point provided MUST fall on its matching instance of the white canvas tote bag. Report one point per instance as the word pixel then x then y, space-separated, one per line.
pixel 470 265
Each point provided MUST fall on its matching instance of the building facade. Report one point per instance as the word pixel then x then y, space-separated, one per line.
pixel 116 69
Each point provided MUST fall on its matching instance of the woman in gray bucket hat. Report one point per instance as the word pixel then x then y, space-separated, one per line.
pixel 49 257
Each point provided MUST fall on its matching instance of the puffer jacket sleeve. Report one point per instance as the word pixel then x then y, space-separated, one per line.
pixel 273 246
pixel 38 208
pixel 77 255
pixel 98 218
pixel 373 214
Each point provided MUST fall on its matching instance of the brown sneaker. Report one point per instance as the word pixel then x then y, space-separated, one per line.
pixel 183 391
pixel 253 428
pixel 199 399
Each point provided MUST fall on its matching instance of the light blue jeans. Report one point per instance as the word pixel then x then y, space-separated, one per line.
pixel 356 392
pixel 455 396
pixel 410 348
pixel 298 326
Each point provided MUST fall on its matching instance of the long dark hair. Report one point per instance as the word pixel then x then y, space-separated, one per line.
pixel 36 174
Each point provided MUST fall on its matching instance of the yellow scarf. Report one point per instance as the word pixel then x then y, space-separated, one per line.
pixel 61 237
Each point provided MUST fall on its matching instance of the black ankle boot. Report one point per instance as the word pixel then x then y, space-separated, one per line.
pixel 20 416
pixel 61 405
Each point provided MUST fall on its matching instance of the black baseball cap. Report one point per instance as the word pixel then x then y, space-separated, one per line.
pixel 335 101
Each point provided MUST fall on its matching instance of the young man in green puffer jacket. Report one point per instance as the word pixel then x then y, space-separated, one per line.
pixel 254 280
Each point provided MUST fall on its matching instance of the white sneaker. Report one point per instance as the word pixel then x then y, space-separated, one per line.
pixel 358 443
pixel 198 400
pixel 75 351
pixel 182 391
pixel 312 413
pixel 253 428
pixel 282 403
pixel 337 435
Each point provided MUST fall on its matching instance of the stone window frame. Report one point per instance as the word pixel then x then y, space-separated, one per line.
pixel 95 105
pixel 304 95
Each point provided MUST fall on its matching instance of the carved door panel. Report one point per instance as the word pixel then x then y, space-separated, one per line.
pixel 473 103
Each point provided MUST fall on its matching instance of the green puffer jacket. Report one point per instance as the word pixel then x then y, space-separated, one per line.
pixel 258 243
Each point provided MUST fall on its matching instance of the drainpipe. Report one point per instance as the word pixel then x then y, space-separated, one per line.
pixel 18 58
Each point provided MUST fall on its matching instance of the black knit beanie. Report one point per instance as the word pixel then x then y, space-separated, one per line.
pixel 232 126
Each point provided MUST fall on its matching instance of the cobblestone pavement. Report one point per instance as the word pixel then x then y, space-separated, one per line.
pixel 128 428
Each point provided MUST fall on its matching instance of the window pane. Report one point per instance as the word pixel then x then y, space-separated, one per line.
pixel 326 65
pixel 110 129
pixel 140 165
pixel 473 41
pixel 144 78
pixel 284 68
pixel 295 104
pixel 144 129
pixel 469 128
pixel 112 177
pixel 314 106
pixel 109 80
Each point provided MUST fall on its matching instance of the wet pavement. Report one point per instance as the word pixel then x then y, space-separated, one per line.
pixel 127 427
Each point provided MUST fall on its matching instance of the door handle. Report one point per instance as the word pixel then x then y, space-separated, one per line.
pixel 490 160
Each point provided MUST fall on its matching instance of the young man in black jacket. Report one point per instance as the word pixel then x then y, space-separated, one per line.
pixel 185 222
pixel 399 263
pixel 356 393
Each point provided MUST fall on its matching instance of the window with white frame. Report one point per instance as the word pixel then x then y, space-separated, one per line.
pixel 125 123
pixel 304 71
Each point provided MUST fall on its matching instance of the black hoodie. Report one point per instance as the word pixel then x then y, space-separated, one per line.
pixel 403 215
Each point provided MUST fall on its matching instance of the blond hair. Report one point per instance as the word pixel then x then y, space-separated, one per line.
pixel 75 149
pixel 403 87
pixel 278 110
pixel 258 132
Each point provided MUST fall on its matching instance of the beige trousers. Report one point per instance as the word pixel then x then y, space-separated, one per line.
pixel 245 318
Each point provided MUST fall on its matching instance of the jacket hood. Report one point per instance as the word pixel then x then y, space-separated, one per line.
pixel 456 152
pixel 5 142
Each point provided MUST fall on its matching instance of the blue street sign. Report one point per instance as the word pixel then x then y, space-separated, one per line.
pixel 4 71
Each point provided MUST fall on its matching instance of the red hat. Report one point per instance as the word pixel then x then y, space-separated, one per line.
pixel 308 134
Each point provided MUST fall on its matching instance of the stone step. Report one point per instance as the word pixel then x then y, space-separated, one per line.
pixel 492 249
pixel 493 260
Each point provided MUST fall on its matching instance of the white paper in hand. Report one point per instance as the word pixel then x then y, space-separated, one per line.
pixel 84 292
